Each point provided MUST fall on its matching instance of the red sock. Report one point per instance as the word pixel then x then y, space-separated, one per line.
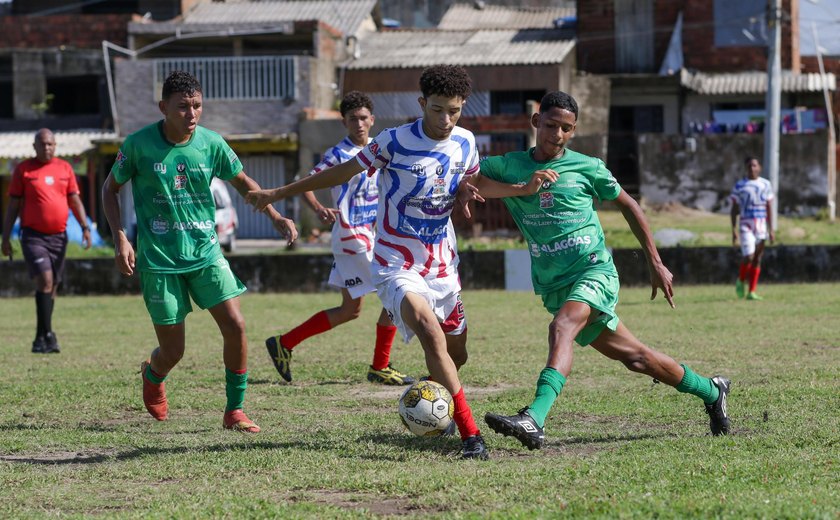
pixel 317 324
pixel 742 272
pixel 463 416
pixel 382 351
pixel 754 272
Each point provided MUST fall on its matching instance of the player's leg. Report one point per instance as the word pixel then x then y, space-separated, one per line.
pixel 380 370
pixel 755 270
pixel 217 289
pixel 40 271
pixel 749 243
pixel 622 346
pixel 56 246
pixel 417 314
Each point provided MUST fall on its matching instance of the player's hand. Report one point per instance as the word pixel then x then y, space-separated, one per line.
pixel 327 215
pixel 734 238
pixel 538 179
pixel 125 257
pixel 262 198
pixel 7 249
pixel 772 235
pixel 466 193
pixel 286 228
pixel 662 279
pixel 86 239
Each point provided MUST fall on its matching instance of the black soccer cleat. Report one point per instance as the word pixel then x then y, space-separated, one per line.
pixel 280 356
pixel 51 346
pixel 718 419
pixel 389 376
pixel 474 448
pixel 522 426
pixel 39 345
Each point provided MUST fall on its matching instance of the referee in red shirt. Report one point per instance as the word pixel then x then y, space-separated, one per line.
pixel 43 190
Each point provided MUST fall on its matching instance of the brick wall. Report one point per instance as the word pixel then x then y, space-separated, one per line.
pixel 596 43
pixel 81 31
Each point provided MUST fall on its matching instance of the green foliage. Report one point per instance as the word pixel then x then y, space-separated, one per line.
pixel 76 441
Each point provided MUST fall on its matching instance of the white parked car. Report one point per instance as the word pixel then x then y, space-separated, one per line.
pixel 227 221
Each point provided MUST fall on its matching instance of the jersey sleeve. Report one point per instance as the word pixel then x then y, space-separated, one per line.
pixel 472 166
pixel 123 169
pixel 493 167
pixel 377 154
pixel 330 159
pixel 228 164
pixel 16 186
pixel 768 191
pixel 604 184
pixel 72 184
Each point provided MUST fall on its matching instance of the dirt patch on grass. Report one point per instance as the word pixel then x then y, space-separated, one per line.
pixel 372 504
pixel 94 456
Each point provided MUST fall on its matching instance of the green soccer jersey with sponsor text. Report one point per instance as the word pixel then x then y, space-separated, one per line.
pixel 559 222
pixel 176 214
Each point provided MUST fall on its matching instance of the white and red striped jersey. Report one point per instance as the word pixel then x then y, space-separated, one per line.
pixel 356 201
pixel 418 184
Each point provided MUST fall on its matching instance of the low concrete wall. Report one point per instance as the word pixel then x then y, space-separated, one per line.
pixel 479 270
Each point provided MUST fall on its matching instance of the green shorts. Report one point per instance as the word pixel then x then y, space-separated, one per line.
pixel 167 295
pixel 597 289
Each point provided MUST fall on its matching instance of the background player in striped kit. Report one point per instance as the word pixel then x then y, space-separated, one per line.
pixel 415 265
pixel 353 218
pixel 751 199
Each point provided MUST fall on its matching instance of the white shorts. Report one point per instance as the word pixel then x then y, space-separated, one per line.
pixel 352 272
pixel 442 294
pixel 752 230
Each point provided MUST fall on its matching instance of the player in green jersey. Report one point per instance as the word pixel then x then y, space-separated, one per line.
pixel 573 271
pixel 170 165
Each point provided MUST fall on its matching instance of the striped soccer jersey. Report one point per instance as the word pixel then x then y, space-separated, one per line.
pixel 752 195
pixel 356 201
pixel 419 184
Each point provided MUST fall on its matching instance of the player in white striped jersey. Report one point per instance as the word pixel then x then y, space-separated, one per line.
pixel 415 256
pixel 751 200
pixel 353 218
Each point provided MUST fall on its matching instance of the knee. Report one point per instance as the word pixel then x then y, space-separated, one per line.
pixel 234 326
pixel 562 324
pixel 459 357
pixel 636 360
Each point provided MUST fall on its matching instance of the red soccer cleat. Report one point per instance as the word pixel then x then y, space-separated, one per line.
pixel 237 420
pixel 154 396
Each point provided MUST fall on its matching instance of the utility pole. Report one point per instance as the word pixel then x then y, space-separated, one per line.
pixel 773 102
pixel 832 146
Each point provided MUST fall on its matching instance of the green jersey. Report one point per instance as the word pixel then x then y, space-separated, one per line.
pixel 176 214
pixel 559 222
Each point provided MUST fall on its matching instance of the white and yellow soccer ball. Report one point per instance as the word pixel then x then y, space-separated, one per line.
pixel 426 409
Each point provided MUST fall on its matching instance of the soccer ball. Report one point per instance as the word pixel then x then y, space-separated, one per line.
pixel 426 409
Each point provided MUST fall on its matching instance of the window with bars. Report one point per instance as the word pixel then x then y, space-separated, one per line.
pixel 234 78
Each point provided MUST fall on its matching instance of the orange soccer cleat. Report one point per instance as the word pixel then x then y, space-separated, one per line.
pixel 154 395
pixel 237 420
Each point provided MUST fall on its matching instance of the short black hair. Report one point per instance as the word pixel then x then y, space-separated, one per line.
pixel 750 158
pixel 180 82
pixel 560 100
pixel 355 100
pixel 446 80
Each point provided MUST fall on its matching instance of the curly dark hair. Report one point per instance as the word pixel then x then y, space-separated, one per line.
pixel 446 80
pixel 750 158
pixel 354 100
pixel 560 100
pixel 180 82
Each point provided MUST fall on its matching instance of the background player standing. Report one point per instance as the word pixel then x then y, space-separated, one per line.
pixel 573 271
pixel 42 191
pixel 171 164
pixel 751 199
pixel 353 218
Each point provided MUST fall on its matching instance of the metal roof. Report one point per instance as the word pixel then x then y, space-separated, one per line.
pixel 465 17
pixel 422 48
pixel 344 15
pixel 18 145
pixel 754 82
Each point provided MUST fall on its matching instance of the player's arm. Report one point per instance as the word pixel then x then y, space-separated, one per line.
pixel 75 203
pixel 244 184
pixel 770 233
pixel 338 174
pixel 124 252
pixel 478 187
pixel 733 219
pixel 11 215
pixel 660 276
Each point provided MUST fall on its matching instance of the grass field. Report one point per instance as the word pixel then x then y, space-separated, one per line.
pixel 75 440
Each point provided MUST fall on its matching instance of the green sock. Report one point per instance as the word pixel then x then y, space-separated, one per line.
pixel 697 385
pixel 235 385
pixel 549 385
pixel 152 376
